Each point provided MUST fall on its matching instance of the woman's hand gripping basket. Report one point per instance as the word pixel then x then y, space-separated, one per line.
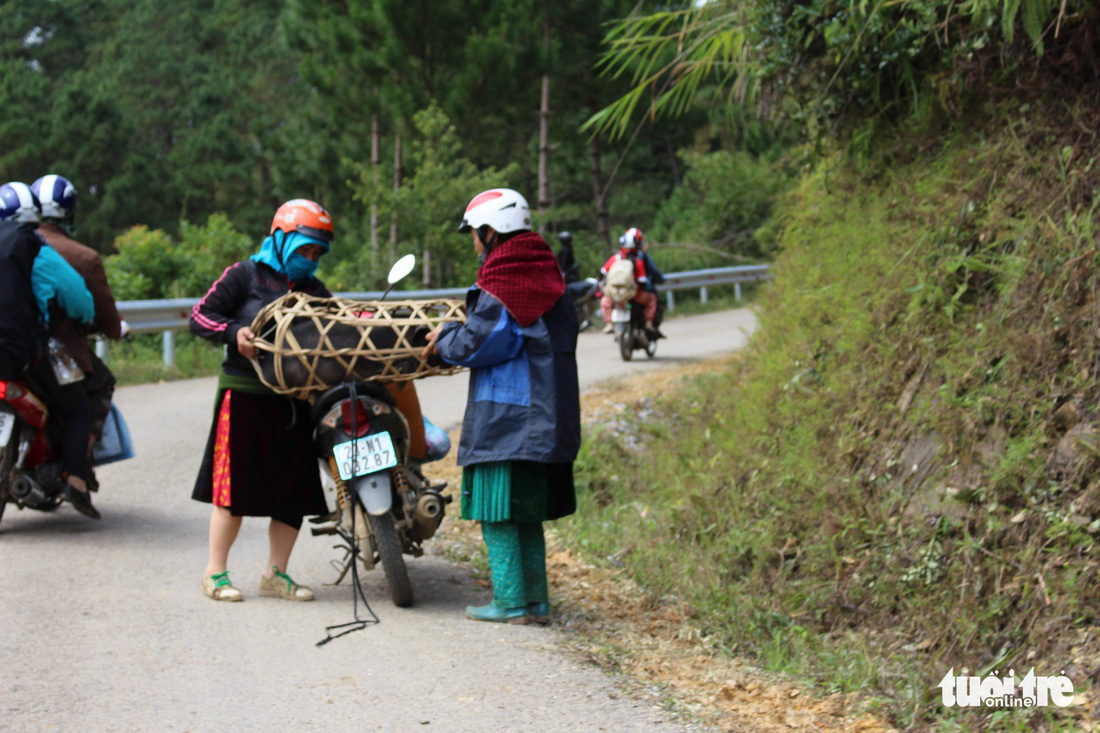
pixel 306 344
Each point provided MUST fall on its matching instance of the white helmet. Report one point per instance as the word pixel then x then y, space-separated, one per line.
pixel 18 203
pixel 503 209
pixel 57 195
pixel 632 238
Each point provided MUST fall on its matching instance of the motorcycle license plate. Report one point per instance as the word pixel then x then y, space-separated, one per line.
pixel 7 423
pixel 370 453
pixel 620 315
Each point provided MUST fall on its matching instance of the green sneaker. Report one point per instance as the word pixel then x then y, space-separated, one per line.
pixel 283 586
pixel 497 614
pixel 219 588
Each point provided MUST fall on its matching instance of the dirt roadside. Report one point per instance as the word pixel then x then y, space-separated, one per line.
pixel 604 618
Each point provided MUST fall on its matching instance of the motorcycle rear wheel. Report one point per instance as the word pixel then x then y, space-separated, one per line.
pixel 389 549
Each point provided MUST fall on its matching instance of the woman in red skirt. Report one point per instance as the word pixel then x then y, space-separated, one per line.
pixel 259 459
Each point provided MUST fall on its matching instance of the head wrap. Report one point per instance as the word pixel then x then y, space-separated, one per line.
pixel 278 246
pixel 523 274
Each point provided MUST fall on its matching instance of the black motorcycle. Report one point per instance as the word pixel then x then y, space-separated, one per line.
pixel 585 295
pixel 628 320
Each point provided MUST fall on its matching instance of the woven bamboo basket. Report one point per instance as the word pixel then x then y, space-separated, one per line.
pixel 306 344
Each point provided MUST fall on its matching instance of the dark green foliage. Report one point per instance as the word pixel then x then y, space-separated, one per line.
pixel 151 264
pixel 830 64
pixel 899 477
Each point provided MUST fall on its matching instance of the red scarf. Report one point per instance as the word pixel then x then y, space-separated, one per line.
pixel 523 274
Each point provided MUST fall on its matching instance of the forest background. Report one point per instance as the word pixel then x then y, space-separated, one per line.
pixel 896 479
pixel 184 128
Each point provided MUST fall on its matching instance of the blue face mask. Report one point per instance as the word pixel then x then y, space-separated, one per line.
pixel 300 268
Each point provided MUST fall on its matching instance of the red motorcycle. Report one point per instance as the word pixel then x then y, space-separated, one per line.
pixel 30 449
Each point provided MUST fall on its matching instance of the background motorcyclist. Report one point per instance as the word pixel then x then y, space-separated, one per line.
pixel 630 244
pixel 567 261
pixel 656 277
pixel 32 275
pixel 57 196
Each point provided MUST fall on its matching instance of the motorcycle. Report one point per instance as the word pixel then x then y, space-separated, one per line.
pixel 585 295
pixel 386 508
pixel 30 449
pixel 628 320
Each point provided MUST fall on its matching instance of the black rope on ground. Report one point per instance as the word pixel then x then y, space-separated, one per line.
pixel 357 590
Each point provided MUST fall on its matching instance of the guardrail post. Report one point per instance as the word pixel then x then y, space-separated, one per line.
pixel 737 292
pixel 669 300
pixel 169 348
pixel 703 294
pixel 101 349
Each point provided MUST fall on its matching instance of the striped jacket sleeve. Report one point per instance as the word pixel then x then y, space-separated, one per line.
pixel 212 317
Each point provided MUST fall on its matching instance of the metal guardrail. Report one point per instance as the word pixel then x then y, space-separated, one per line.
pixel 168 316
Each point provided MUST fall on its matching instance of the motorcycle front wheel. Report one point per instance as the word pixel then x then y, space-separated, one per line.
pixel 584 315
pixel 7 461
pixel 626 343
pixel 389 549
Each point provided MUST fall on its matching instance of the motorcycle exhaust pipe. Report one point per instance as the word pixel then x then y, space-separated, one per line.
pixel 428 515
pixel 429 509
pixel 28 492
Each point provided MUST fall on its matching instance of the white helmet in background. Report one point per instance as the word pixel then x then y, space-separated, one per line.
pixel 632 238
pixel 502 209
pixel 57 195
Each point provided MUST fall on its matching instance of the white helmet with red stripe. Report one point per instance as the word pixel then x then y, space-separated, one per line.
pixel 502 209
pixel 632 239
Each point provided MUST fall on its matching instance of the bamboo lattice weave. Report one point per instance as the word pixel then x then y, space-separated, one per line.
pixel 307 344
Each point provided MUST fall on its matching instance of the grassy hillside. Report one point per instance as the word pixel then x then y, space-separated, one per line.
pixel 897 479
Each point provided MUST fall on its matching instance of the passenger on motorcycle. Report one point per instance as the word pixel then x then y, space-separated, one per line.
pixel 57 197
pixel 521 432
pixel 630 244
pixel 259 458
pixel 32 277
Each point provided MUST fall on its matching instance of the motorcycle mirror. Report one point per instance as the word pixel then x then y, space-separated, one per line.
pixel 401 269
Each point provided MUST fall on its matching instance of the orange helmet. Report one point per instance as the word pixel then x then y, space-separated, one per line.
pixel 305 216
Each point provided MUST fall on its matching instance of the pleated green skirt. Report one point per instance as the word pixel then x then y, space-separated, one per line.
pixel 517 491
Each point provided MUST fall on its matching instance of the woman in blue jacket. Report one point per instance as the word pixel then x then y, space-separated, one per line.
pixel 521 432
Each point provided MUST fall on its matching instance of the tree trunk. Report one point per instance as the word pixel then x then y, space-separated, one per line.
pixel 544 125
pixel 602 230
pixel 426 276
pixel 396 187
pixel 375 162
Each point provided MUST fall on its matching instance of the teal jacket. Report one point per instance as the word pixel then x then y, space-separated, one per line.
pixel 54 278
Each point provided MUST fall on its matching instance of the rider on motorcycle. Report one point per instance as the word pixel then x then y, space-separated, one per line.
pixel 32 274
pixel 630 244
pixel 566 260
pixel 57 197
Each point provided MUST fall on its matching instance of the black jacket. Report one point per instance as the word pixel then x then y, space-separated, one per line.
pixel 21 326
pixel 233 302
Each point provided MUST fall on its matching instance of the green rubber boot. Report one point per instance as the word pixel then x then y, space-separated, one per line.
pixel 494 613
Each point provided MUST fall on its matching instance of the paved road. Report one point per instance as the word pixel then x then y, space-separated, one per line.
pixel 103 626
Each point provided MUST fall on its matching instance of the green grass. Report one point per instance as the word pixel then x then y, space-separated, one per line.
pixel 870 497
pixel 142 360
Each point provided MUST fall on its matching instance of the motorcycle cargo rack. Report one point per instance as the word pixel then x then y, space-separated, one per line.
pixel 307 344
